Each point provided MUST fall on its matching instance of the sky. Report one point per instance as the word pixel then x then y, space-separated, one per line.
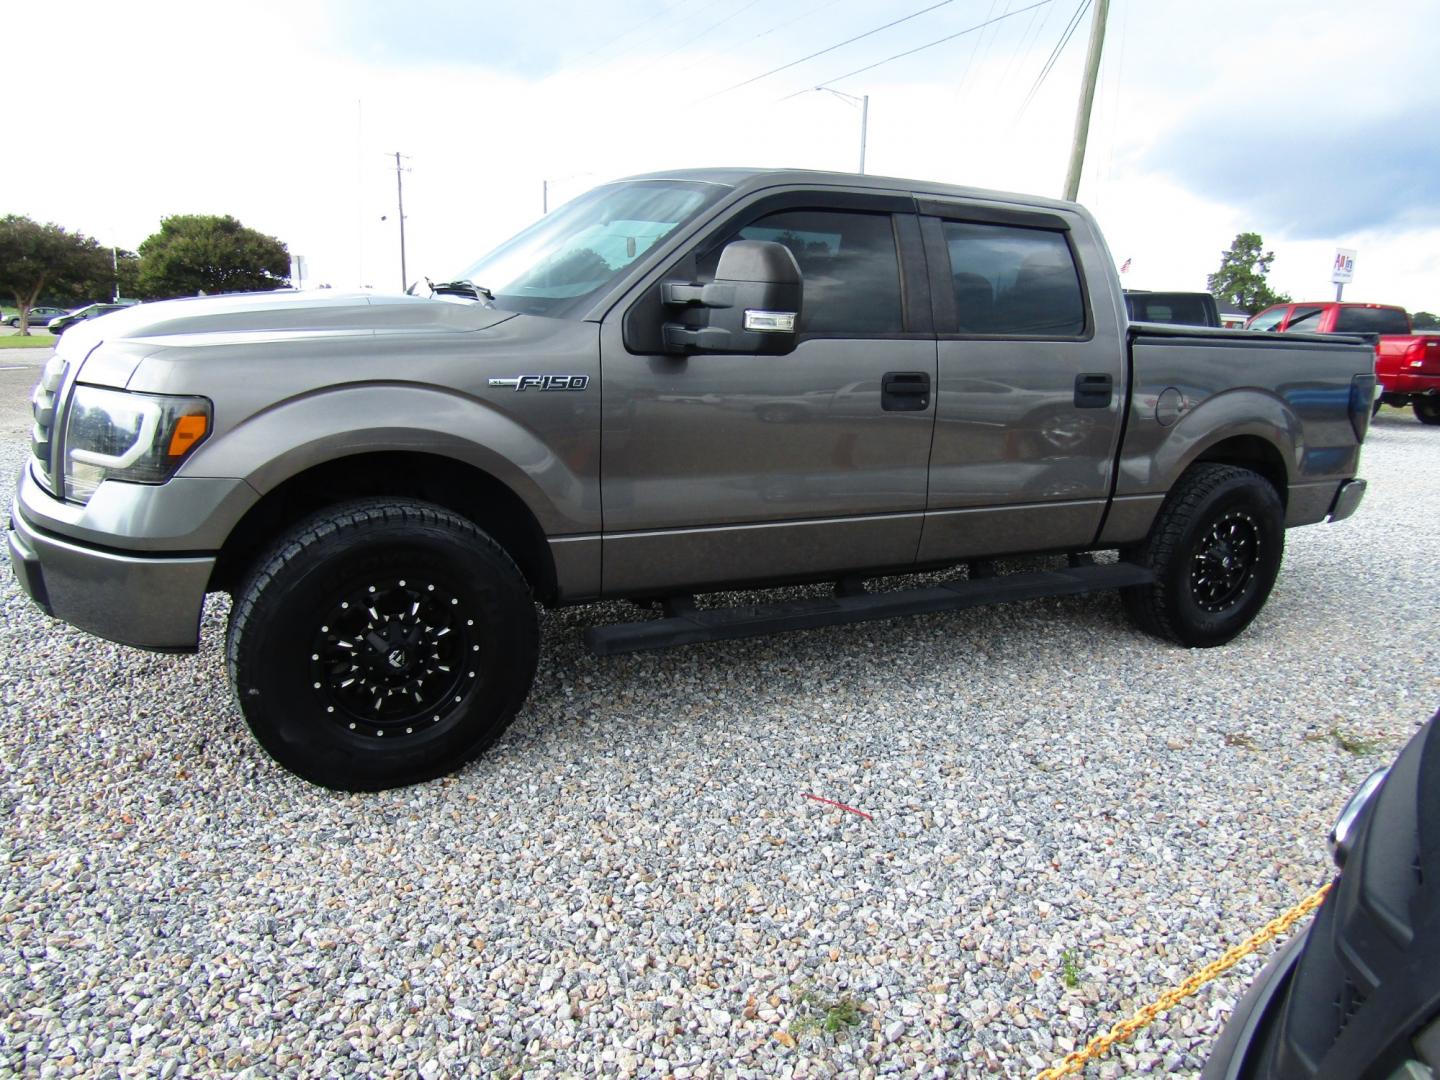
pixel 1314 123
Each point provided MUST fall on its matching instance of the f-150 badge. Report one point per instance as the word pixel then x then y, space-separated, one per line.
pixel 544 382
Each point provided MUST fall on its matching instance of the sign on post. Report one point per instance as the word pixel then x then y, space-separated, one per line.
pixel 1343 271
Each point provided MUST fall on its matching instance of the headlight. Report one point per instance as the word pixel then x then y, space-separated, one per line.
pixel 143 438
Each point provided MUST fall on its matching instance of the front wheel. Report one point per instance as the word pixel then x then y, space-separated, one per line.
pixel 1427 409
pixel 1215 550
pixel 381 643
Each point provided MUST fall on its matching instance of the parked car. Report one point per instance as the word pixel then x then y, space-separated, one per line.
pixel 61 323
pixel 1407 364
pixel 601 408
pixel 1357 994
pixel 1183 308
pixel 39 316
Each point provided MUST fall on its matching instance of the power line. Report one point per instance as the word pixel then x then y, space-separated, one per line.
pixel 831 48
pixel 702 33
pixel 1065 36
pixel 645 22
pixel 787 22
pixel 920 48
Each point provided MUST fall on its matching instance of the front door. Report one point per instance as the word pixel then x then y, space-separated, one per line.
pixel 745 468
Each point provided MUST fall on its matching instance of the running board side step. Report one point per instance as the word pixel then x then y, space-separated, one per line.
pixel 685 624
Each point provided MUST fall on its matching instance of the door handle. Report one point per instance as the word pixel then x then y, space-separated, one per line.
pixel 905 391
pixel 1093 391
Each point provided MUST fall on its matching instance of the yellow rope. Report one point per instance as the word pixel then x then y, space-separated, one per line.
pixel 1124 1029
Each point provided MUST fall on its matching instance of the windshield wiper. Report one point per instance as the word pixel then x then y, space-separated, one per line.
pixel 461 288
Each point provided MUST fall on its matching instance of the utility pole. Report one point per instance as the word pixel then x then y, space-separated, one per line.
pixel 544 196
pixel 864 129
pixel 400 206
pixel 115 265
pixel 864 103
pixel 1087 99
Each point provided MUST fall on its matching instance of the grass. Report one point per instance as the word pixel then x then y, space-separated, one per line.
pixel 1070 968
pixel 40 340
pixel 821 1014
pixel 1355 744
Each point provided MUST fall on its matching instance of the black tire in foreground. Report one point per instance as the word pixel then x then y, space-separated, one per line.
pixel 381 643
pixel 1427 409
pixel 1357 995
pixel 1215 549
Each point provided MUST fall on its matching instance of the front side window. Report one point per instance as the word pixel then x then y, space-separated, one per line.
pixel 1269 319
pixel 585 245
pixel 1304 319
pixel 849 264
pixel 1014 282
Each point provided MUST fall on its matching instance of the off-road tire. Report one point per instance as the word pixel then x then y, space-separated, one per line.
pixel 1427 409
pixel 1214 513
pixel 451 625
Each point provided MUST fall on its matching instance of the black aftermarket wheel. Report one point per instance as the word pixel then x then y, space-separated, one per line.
pixel 1215 548
pixel 382 643
pixel 1427 409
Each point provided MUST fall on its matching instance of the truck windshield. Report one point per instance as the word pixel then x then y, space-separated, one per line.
pixel 585 245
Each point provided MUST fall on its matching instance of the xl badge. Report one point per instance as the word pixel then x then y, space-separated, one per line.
pixel 544 382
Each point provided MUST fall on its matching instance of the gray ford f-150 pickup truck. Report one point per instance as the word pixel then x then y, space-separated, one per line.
pixel 676 383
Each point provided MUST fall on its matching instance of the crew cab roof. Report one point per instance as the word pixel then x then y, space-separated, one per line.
pixel 757 179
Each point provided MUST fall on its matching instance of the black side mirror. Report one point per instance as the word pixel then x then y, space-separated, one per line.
pixel 752 306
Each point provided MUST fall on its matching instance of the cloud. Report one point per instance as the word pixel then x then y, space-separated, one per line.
pixel 1315 175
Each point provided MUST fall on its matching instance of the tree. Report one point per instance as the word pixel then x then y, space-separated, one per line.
pixel 195 253
pixel 40 259
pixel 1241 277
pixel 1424 320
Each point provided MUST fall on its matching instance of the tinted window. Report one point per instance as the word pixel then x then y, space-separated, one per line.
pixel 1189 310
pixel 1371 321
pixel 1304 318
pixel 851 270
pixel 1014 282
pixel 1268 319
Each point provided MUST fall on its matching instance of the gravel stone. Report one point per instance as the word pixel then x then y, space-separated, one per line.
pixel 631 883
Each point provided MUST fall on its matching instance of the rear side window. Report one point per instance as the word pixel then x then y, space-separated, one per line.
pixel 850 266
pixel 1014 282
pixel 1371 321
pixel 1170 308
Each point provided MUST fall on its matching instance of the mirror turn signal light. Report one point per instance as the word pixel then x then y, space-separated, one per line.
pixel 188 431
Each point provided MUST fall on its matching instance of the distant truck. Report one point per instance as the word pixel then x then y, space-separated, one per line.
pixel 1179 308
pixel 689 382
pixel 1407 364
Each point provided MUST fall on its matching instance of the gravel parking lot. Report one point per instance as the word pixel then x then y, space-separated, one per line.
pixel 1065 817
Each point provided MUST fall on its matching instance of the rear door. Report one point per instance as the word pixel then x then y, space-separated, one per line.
pixel 724 468
pixel 1032 379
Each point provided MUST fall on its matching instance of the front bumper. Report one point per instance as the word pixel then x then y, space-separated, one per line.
pixel 151 602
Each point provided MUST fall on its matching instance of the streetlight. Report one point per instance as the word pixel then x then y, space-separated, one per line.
pixel 864 103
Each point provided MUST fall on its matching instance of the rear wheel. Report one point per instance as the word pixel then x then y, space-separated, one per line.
pixel 381 643
pixel 1215 549
pixel 1427 409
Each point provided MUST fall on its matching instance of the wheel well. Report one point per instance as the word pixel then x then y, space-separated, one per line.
pixel 467 491
pixel 1254 453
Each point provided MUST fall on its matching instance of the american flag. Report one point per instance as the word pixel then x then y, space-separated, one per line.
pixel 1125 267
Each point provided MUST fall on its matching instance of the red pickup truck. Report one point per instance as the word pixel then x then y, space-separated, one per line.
pixel 1407 365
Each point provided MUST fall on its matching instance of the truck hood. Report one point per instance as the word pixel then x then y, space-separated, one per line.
pixel 319 312
pixel 256 318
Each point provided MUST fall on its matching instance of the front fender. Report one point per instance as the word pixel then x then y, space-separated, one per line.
pixel 556 474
